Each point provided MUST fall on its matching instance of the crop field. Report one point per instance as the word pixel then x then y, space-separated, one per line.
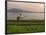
pixel 25 26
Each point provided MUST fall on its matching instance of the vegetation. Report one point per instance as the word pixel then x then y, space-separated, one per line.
pixel 23 26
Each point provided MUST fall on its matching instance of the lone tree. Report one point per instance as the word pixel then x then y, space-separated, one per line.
pixel 18 17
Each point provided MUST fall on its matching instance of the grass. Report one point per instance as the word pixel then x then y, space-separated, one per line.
pixel 27 27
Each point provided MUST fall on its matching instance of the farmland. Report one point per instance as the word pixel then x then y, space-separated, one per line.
pixel 25 26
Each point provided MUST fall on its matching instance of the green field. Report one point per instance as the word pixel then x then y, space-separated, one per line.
pixel 21 27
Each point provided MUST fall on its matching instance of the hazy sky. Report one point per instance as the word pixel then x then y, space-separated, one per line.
pixel 28 0
pixel 34 7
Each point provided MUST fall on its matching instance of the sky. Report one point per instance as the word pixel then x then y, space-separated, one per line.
pixel 28 0
pixel 34 7
pixel 30 7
